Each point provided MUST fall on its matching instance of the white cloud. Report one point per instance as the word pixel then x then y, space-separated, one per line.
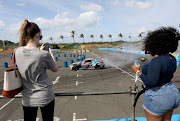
pixel 20 4
pixel 92 7
pixel 1 6
pixel 14 28
pixel 61 24
pixel 142 29
pixel 2 25
pixel 137 4
pixel 115 3
pixel 143 5
pixel 129 3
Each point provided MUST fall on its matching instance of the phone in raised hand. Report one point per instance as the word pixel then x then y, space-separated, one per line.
pixel 47 46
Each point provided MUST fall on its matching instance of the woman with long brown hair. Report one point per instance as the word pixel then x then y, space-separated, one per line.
pixel 32 63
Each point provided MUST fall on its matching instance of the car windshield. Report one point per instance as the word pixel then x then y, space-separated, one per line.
pixel 88 61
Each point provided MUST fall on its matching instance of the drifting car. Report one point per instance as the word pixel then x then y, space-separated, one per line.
pixel 88 63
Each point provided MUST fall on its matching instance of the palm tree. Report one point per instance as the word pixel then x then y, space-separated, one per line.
pixel 130 38
pixel 110 36
pixel 120 35
pixel 82 36
pixel 92 36
pixel 61 37
pixel 73 32
pixel 140 35
pixel 101 37
pixel 72 35
pixel 51 39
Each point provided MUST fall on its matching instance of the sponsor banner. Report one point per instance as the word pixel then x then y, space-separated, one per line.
pixel 83 46
pixel 75 46
pixel 9 49
pixel 176 55
pixel 174 117
pixel 90 46
pixel 54 49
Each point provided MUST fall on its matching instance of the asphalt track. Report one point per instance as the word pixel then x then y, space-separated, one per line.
pixel 117 76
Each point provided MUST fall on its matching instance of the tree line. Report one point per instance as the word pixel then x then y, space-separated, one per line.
pixel 91 36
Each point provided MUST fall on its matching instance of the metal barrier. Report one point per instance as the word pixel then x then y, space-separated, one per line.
pixel 133 90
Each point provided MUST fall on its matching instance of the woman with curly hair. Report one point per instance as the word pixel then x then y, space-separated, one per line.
pixel 162 97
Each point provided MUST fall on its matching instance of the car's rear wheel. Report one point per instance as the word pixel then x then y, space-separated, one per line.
pixel 76 68
pixel 97 67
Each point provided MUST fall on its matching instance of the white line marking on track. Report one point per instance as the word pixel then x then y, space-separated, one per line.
pixel 75 97
pixel 6 104
pixel 77 83
pixel 80 82
pixel 117 67
pixel 56 119
pixel 56 80
pixel 74 118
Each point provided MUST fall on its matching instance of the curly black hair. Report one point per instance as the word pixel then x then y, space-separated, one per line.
pixel 162 41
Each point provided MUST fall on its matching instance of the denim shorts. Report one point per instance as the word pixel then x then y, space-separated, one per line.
pixel 159 100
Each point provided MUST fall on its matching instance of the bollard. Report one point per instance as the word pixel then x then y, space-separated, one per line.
pixel 64 55
pixel 5 64
pixel 70 55
pixel 71 61
pixel 77 60
pixel 10 57
pixel 74 55
pixel 81 59
pixel 56 58
pixel 58 55
pixel 65 64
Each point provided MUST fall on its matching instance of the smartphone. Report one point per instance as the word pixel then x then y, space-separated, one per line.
pixel 47 46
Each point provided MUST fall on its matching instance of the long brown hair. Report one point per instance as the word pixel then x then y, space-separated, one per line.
pixel 27 31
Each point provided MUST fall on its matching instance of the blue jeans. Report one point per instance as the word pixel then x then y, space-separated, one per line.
pixel 159 100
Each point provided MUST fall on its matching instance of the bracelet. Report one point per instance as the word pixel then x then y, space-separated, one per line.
pixel 137 71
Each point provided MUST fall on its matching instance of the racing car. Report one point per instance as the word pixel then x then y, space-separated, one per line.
pixel 88 63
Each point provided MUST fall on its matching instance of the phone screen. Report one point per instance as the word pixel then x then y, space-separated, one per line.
pixel 47 47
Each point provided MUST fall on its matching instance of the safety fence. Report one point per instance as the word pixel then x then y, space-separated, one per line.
pixel 134 91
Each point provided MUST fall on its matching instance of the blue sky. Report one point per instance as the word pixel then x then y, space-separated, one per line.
pixel 60 17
